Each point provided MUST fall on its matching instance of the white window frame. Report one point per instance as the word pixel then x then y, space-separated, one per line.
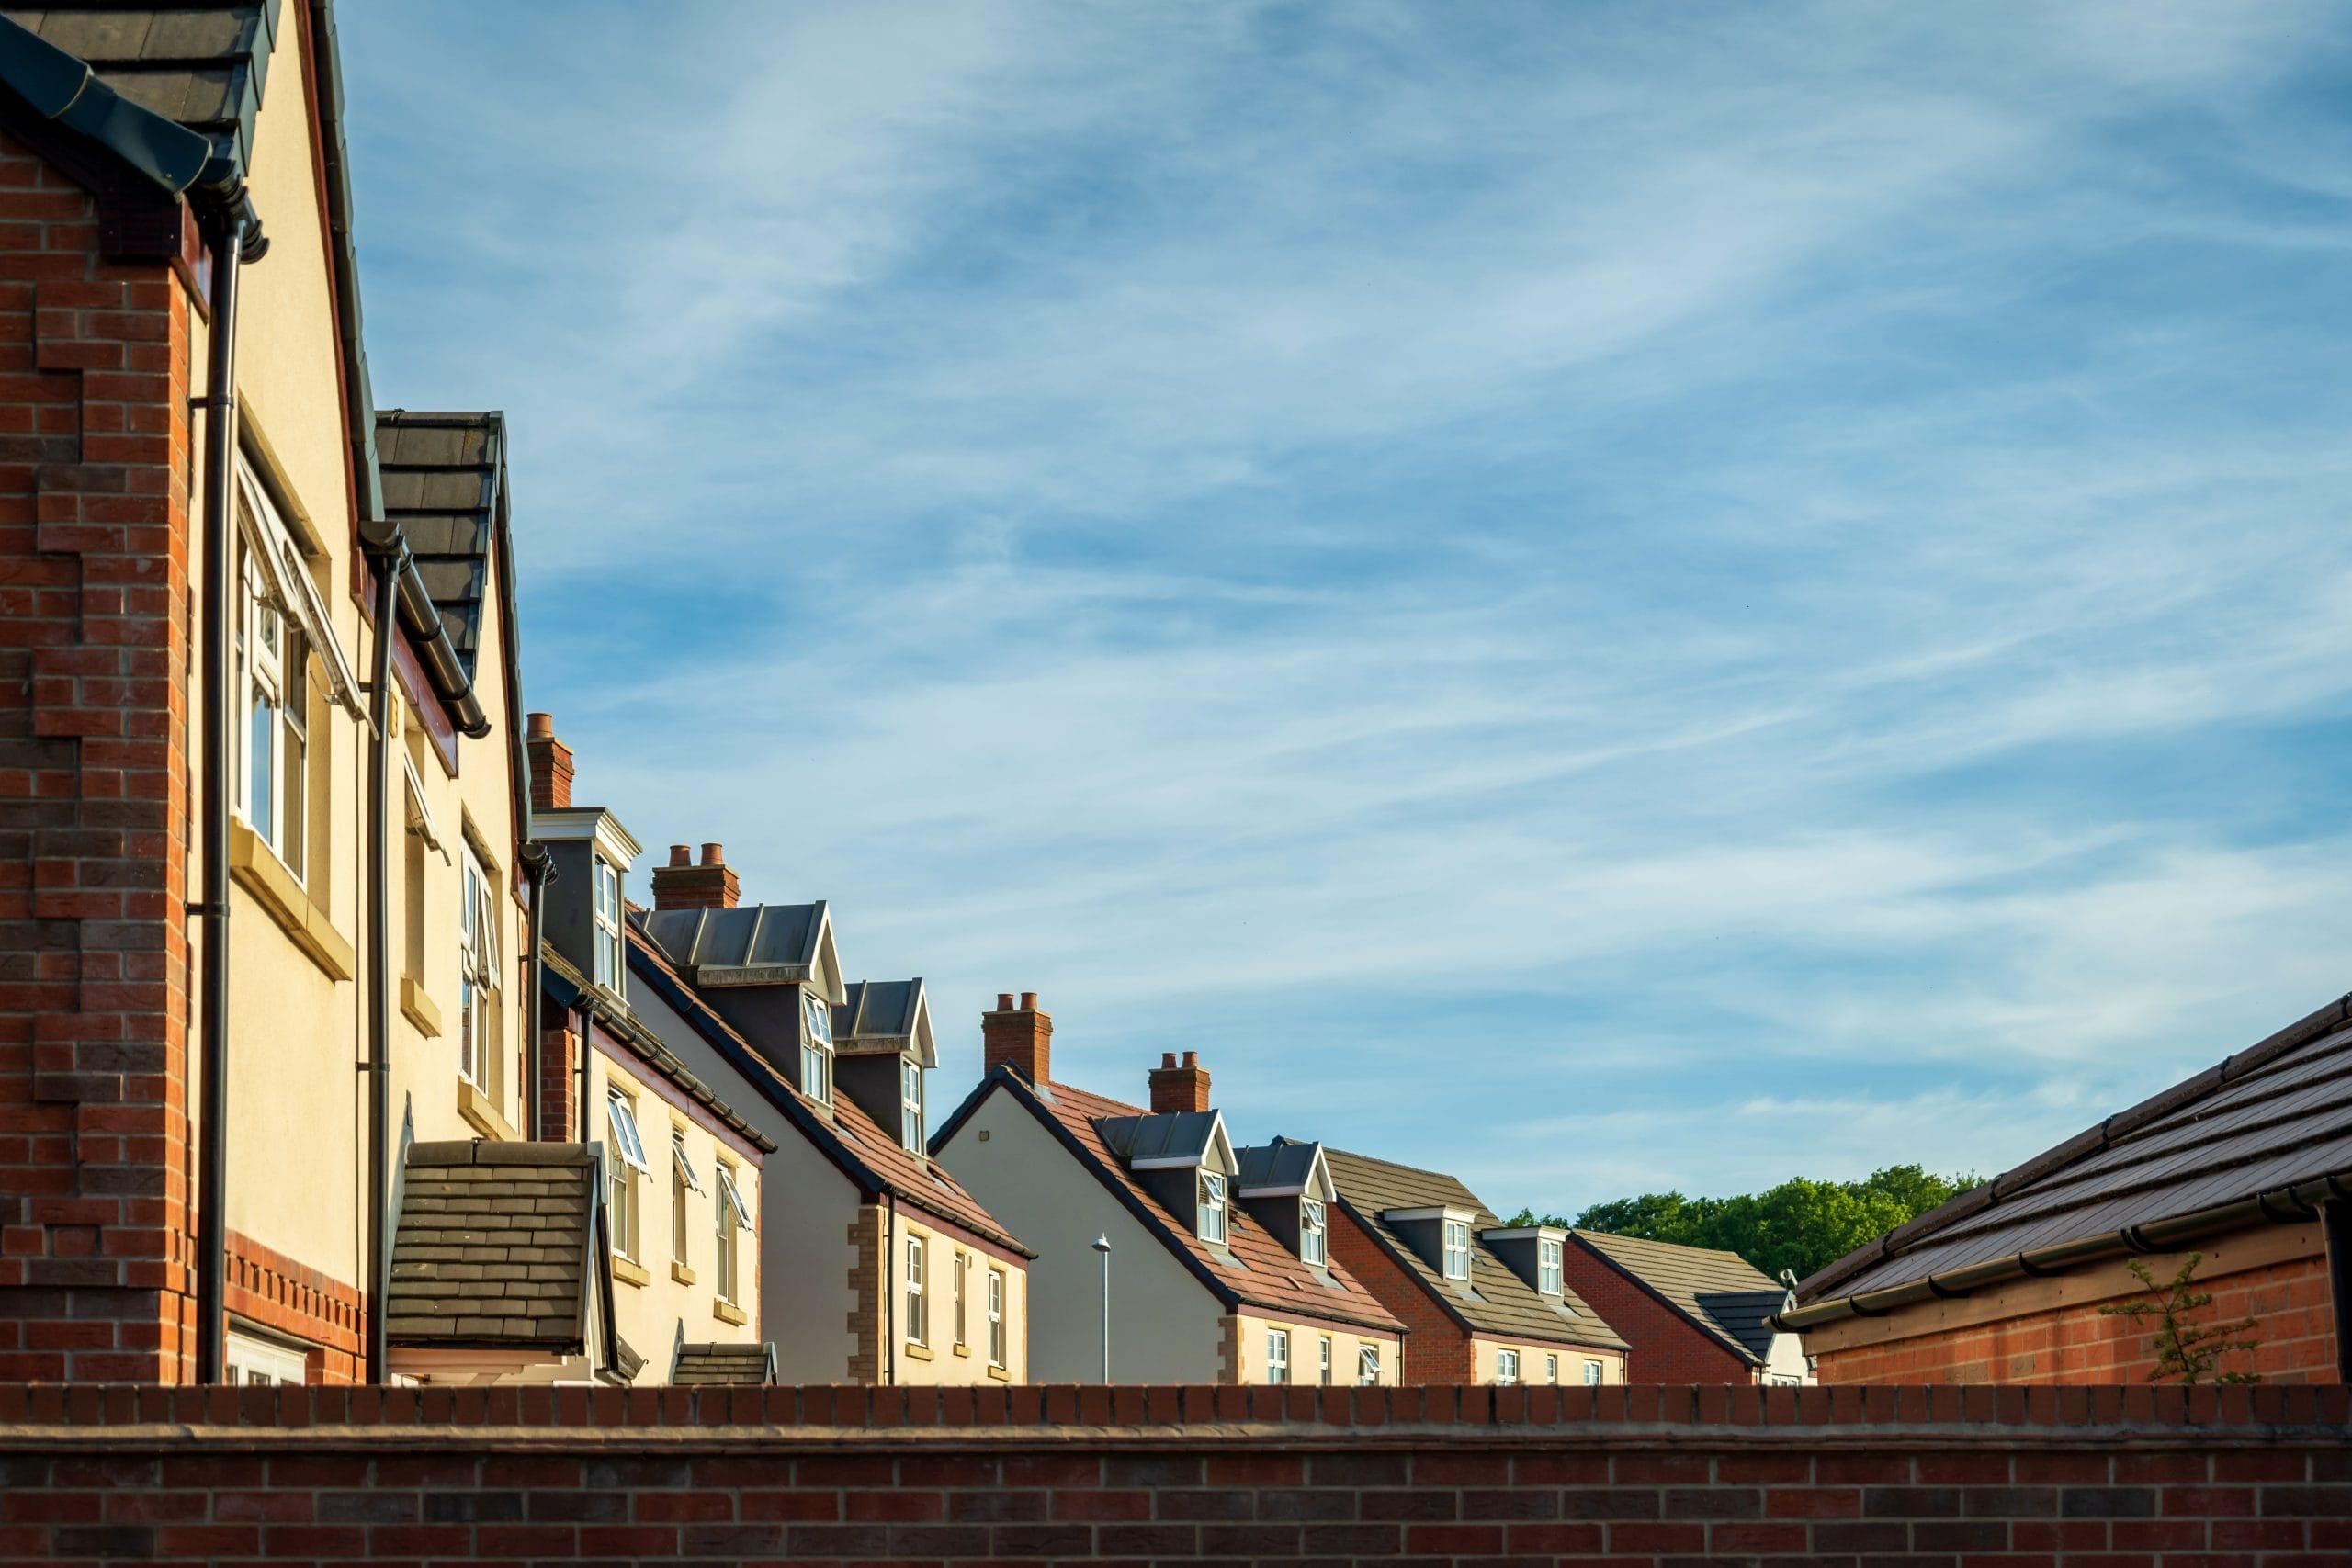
pixel 1592 1375
pixel 918 1314
pixel 959 1276
pixel 910 1104
pixel 734 1219
pixel 253 1361
pixel 996 1317
pixel 1314 1237
pixel 1211 1202
pixel 628 1164
pixel 1549 1267
pixel 1506 1366
pixel 1552 1368
pixel 1323 1360
pixel 817 1048
pixel 1455 1247
pixel 1368 1366
pixel 606 939
pixel 1278 1355
pixel 477 977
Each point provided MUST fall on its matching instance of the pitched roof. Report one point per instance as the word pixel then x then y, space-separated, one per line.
pixel 441 476
pixel 885 1015
pixel 1175 1137
pixel 854 1141
pixel 750 943
pixel 703 1365
pixel 1277 1167
pixel 1720 1294
pixel 1494 1300
pixel 649 1050
pixel 2275 1116
pixel 1254 1269
pixel 199 63
pixel 497 1247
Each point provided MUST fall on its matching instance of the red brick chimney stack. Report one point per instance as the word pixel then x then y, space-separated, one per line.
pixel 1179 1087
pixel 550 765
pixel 1019 1037
pixel 684 885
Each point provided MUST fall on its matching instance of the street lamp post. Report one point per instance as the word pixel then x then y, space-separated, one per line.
pixel 1102 1246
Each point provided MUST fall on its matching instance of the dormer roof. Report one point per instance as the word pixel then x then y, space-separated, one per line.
pixel 442 474
pixel 886 1017
pixel 751 945
pixel 1286 1170
pixel 1169 1141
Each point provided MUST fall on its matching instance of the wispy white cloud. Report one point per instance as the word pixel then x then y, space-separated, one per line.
pixel 1765 589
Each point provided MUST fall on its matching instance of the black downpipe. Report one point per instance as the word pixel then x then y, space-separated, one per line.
pixel 579 1068
pixel 227 240
pixel 890 1293
pixel 389 564
pixel 540 868
pixel 2337 1227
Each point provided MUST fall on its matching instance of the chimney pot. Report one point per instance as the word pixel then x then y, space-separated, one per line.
pixel 1192 1058
pixel 714 854
pixel 682 855
pixel 542 727
pixel 550 762
pixel 683 885
pixel 1020 1039
pixel 1168 1058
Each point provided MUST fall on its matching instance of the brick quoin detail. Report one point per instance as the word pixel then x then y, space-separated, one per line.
pixel 1437 1349
pixel 1667 1347
pixel 95 478
pixel 2123 1478
pixel 2077 1344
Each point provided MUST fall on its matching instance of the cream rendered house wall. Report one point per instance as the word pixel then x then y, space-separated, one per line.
pixel 1165 1325
pixel 943 1357
pixel 1485 1356
pixel 653 1295
pixel 1251 1341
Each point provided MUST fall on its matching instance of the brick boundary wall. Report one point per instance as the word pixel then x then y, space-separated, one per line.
pixel 2123 1478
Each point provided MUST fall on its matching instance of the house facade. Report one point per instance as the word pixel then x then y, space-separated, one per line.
pixel 878 1266
pixel 1486 1304
pixel 222 816
pixel 1692 1314
pixel 1218 1268
pixel 2243 1169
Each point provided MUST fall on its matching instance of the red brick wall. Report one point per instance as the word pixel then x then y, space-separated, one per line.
pixel 2077 1344
pixel 95 1228
pixel 2138 1478
pixel 1667 1348
pixel 1437 1350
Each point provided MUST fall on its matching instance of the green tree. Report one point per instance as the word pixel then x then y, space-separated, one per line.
pixel 1800 1224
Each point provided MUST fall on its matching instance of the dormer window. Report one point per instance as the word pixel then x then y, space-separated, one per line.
pixel 1457 1253
pixel 1213 1207
pixel 1547 1268
pixel 910 1104
pixel 607 937
pixel 1313 1246
pixel 817 1049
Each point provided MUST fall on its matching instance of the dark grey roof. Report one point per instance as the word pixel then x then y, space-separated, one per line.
pixel 703 1364
pixel 1276 1164
pixel 1169 1136
pixel 201 62
pixel 1720 1293
pixel 497 1247
pixel 442 476
pixel 712 945
pixel 883 1009
pixel 2278 1114
pixel 1494 1300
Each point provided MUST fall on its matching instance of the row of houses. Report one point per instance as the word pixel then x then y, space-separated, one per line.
pixel 340 1040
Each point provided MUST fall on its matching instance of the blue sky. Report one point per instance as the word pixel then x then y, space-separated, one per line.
pixel 1599 596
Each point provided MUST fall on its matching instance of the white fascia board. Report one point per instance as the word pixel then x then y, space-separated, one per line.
pixel 1524 1233
pixel 592 823
pixel 1168 1162
pixel 1445 1212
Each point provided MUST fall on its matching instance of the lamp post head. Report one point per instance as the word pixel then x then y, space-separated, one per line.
pixel 1103 1244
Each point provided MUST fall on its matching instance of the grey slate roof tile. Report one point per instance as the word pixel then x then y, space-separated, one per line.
pixel 495 1245
pixel 703 1365
pixel 441 474
pixel 201 62
pixel 1720 1294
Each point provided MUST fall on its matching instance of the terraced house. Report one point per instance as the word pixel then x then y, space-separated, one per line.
pixel 1220 1268
pixel 265 876
pixel 1486 1303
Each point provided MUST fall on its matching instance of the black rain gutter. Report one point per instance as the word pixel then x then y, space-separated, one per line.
pixel 2295 1205
pixel 61 86
pixel 417 614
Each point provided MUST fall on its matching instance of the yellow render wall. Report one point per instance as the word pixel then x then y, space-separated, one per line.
pixel 1251 1341
pixel 941 1358
pixel 1486 1355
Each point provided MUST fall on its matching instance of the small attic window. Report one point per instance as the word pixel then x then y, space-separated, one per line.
pixel 1314 1245
pixel 1547 1267
pixel 1456 1252
pixel 817 1049
pixel 1212 1226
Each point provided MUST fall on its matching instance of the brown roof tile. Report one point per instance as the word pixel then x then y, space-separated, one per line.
pixel 1257 1268
pixel 1494 1300
pixel 495 1245
pixel 1720 1294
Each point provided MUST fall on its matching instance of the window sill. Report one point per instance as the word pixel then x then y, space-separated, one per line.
pixel 254 867
pixel 418 1009
pixel 728 1311
pixel 628 1272
pixel 999 1374
pixel 918 1352
pixel 681 1273
pixel 477 1110
pixel 962 1350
